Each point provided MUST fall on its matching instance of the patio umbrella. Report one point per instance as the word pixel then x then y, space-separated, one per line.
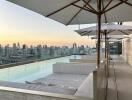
pixel 119 37
pixel 113 30
pixel 81 11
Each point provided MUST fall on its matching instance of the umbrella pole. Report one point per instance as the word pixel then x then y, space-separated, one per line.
pixel 105 44
pixel 106 54
pixel 99 31
pixel 98 41
pixel 107 57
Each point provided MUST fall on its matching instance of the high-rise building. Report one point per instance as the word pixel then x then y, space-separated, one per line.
pixel 24 50
pixel 74 48
pixel 18 45
pixel 14 49
pixel 1 51
pixel 7 51
pixel 81 49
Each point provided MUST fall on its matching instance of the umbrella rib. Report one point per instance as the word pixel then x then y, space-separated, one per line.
pixel 85 9
pixel 104 13
pixel 62 8
pixel 121 2
pixel 127 2
pixel 89 5
pixel 77 13
pixel 86 33
pixel 89 8
pixel 105 32
pixel 123 32
pixel 110 31
pixel 107 5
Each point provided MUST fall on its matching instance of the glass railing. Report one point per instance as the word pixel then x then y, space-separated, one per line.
pixel 31 71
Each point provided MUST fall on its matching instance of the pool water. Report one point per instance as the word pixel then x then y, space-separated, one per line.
pixel 32 71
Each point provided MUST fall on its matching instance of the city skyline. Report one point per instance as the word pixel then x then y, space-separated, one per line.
pixel 21 52
pixel 42 44
pixel 18 43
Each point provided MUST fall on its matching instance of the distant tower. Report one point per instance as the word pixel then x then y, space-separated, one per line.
pixel 39 50
pixel 25 50
pixel 45 52
pixel 81 50
pixel 1 50
pixel 14 49
pixel 7 51
pixel 31 50
pixel 74 48
pixel 52 48
pixel 18 45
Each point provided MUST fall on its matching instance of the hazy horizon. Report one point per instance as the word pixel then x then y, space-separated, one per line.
pixel 34 45
pixel 18 24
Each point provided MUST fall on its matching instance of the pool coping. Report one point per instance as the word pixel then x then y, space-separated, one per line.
pixel 27 62
pixel 41 93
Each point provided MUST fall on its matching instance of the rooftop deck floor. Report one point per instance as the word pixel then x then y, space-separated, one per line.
pixel 120 79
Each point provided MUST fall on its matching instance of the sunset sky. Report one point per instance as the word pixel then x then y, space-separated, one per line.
pixel 18 24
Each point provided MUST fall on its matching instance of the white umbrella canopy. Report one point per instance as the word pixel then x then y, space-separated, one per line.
pixel 114 32
pixel 79 11
pixel 112 29
pixel 117 37
pixel 112 40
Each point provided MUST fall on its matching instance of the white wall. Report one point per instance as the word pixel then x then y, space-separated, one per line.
pixel 127 49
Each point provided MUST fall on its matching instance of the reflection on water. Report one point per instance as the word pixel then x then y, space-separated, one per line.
pixel 31 71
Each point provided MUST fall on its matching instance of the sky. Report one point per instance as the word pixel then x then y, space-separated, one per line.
pixel 18 24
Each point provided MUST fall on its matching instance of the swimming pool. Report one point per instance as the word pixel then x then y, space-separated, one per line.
pixel 32 71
